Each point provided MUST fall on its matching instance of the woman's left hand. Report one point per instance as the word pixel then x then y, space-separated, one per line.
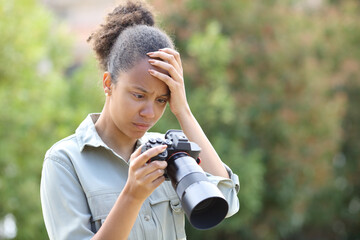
pixel 171 62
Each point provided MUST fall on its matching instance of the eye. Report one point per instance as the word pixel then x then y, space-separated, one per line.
pixel 162 100
pixel 137 95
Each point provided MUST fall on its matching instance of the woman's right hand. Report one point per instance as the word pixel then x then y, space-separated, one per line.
pixel 144 177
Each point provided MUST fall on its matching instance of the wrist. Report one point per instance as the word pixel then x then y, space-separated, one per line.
pixel 183 114
pixel 128 195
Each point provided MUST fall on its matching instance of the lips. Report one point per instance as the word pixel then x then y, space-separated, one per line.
pixel 142 126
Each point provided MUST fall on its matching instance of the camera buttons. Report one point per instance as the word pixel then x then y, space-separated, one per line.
pixel 168 142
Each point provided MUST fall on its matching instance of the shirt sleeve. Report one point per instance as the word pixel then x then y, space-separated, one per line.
pixel 64 205
pixel 229 188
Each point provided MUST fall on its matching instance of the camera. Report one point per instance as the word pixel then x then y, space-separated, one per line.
pixel 202 202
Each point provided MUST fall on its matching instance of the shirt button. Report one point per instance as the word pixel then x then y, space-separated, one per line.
pixel 147 218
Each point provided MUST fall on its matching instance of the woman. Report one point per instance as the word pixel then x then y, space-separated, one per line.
pixel 96 183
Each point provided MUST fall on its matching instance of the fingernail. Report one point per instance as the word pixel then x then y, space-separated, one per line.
pixel 151 60
pixel 151 71
pixel 150 53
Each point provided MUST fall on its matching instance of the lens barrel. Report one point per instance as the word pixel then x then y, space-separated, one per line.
pixel 202 201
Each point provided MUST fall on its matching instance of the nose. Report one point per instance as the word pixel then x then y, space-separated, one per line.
pixel 148 111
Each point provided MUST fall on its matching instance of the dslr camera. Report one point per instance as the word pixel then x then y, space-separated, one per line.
pixel 202 202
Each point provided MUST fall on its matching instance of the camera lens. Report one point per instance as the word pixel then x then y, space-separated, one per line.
pixel 202 201
pixel 203 205
pixel 209 213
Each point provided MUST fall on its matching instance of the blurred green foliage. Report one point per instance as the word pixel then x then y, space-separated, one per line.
pixel 275 85
pixel 40 104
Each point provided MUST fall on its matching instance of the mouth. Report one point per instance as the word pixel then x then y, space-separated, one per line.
pixel 142 126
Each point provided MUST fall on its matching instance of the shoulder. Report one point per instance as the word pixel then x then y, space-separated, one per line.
pixel 62 150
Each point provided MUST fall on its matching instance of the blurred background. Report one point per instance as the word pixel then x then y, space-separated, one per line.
pixel 275 85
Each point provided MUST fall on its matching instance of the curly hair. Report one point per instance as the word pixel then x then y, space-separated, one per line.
pixel 126 36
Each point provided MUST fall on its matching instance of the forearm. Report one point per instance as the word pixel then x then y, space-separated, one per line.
pixel 121 218
pixel 210 160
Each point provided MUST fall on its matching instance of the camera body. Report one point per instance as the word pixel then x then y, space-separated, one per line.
pixel 203 203
pixel 177 145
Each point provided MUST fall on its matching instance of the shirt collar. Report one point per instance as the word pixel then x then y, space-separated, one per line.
pixel 87 135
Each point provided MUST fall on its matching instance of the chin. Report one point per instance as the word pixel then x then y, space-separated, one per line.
pixel 136 134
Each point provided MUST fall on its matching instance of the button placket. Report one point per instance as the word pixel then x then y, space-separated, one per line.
pixel 147 218
pixel 148 223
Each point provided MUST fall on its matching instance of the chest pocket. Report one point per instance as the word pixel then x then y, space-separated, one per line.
pixel 167 207
pixel 164 204
pixel 100 205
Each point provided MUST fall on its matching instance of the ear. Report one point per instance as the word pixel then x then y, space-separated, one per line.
pixel 107 83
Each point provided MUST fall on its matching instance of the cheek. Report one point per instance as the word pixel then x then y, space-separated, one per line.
pixel 123 105
pixel 161 110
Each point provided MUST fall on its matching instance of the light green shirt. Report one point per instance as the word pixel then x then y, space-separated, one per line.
pixel 82 178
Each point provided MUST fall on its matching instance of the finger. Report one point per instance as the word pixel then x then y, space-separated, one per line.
pixel 152 185
pixel 141 159
pixel 173 52
pixel 166 57
pixel 167 67
pixel 152 167
pixel 163 77
pixel 153 176
pixel 157 182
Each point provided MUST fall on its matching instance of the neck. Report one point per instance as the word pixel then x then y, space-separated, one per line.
pixel 113 137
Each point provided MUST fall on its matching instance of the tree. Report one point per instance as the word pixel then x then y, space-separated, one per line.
pixel 337 206
pixel 40 105
pixel 262 79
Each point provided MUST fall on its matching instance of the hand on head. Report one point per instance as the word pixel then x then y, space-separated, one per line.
pixel 171 62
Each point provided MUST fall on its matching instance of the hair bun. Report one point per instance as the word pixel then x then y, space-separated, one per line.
pixel 122 17
pixel 133 13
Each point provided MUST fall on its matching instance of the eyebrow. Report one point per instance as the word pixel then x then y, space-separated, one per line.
pixel 145 91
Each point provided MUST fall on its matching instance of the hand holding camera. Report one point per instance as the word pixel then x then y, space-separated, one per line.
pixel 203 203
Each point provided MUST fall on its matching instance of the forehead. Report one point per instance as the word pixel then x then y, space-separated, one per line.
pixel 139 76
